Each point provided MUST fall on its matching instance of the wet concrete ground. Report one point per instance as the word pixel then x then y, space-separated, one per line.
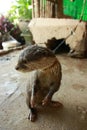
pixel 72 93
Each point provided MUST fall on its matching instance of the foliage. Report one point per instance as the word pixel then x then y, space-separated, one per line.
pixel 5 25
pixel 8 28
pixel 22 9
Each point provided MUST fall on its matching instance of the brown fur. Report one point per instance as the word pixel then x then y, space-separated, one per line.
pixel 45 79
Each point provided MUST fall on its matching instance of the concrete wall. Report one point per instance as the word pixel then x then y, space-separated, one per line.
pixel 44 29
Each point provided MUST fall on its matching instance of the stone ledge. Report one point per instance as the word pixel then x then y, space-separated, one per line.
pixel 44 29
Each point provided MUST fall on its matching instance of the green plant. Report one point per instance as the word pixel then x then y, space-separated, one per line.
pixel 22 9
pixel 7 28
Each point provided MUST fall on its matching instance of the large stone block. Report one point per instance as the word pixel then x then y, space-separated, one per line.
pixel 44 29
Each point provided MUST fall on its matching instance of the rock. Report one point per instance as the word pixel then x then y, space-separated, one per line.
pixel 48 28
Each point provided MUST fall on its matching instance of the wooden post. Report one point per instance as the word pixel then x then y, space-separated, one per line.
pixel 37 8
pixel 44 8
pixel 60 9
pixel 41 8
pixel 53 10
pixel 48 9
pixel 33 10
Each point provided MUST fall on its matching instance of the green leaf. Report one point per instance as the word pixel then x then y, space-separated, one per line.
pixel 22 9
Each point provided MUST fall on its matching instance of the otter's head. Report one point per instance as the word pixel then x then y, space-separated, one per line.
pixel 34 57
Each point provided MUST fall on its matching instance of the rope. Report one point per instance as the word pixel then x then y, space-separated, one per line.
pixel 82 9
pixel 72 31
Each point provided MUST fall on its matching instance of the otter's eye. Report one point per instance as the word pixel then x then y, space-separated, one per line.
pixel 24 61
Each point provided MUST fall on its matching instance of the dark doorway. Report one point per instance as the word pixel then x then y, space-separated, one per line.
pixel 58 46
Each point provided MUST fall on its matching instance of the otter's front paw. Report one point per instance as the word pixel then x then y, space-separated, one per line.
pixel 46 101
pixel 32 115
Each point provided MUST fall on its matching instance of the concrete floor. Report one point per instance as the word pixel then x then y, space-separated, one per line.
pixel 72 93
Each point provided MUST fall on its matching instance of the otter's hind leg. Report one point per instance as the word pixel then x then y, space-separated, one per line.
pixel 48 100
pixel 32 110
